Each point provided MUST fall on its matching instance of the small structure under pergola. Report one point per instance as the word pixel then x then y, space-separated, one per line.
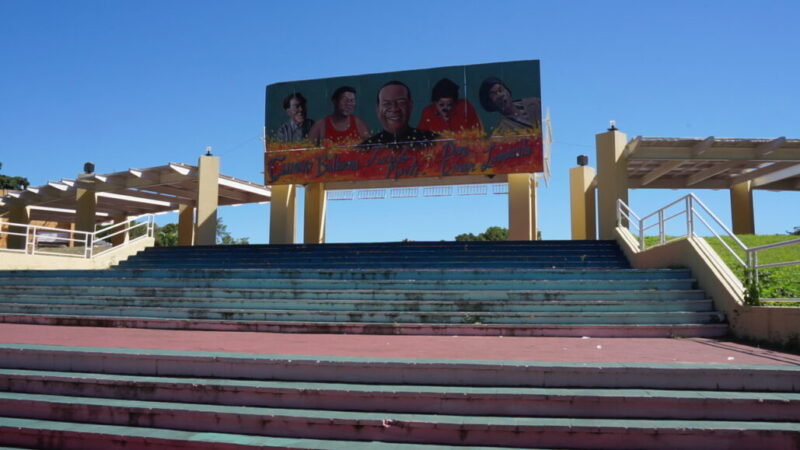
pixel 740 165
pixel 194 192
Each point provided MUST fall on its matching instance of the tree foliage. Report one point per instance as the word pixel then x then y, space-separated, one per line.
pixel 167 235
pixel 491 234
pixel 7 182
pixel 224 236
pixel 795 232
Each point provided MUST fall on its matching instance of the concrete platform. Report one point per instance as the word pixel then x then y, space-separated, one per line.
pixel 481 348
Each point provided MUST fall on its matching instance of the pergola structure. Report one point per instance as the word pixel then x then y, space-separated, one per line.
pixel 740 165
pixel 194 191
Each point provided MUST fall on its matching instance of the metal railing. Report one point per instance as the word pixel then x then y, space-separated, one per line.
pixel 691 211
pixel 41 240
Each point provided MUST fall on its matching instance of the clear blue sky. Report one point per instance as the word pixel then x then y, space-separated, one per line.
pixel 138 84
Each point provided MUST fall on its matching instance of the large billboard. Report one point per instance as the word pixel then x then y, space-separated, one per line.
pixel 481 119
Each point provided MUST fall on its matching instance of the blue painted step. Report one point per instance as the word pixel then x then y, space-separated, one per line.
pixel 538 254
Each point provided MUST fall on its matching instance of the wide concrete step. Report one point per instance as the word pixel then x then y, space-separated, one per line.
pixel 438 246
pixel 429 372
pixel 32 433
pixel 583 253
pixel 527 330
pixel 311 283
pixel 354 294
pixel 417 399
pixel 361 274
pixel 422 317
pixel 393 427
pixel 383 263
pixel 371 305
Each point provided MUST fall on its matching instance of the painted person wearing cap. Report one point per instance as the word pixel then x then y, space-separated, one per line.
pixel 518 116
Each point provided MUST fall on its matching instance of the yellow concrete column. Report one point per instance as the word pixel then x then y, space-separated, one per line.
pixel 534 210
pixel 582 202
pixel 207 200
pixel 18 213
pixel 85 204
pixel 742 208
pixel 612 179
pixel 282 214
pixel 314 218
pixel 520 210
pixel 185 225
pixel 121 238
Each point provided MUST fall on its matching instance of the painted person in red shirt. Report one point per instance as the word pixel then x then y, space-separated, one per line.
pixel 447 112
pixel 342 127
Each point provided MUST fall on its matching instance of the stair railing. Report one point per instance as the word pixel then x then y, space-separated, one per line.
pixel 37 237
pixel 694 212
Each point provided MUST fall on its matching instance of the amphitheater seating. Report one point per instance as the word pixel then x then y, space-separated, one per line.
pixel 96 397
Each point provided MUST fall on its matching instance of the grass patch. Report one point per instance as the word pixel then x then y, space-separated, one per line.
pixel 777 282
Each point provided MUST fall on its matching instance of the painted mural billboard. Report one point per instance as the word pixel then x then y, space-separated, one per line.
pixel 481 119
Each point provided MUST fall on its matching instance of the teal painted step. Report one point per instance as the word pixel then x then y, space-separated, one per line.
pixel 444 372
pixel 464 400
pixel 682 330
pixel 32 433
pixel 397 247
pixel 353 294
pixel 369 305
pixel 390 427
pixel 376 263
pixel 445 254
pixel 595 318
pixel 361 274
pixel 89 284
pixel 437 253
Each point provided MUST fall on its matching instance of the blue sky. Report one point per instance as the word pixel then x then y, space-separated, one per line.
pixel 139 84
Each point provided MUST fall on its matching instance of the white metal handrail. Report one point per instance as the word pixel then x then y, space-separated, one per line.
pixel 89 240
pixel 693 209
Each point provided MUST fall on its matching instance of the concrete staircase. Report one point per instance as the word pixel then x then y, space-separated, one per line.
pixel 546 288
pixel 62 397
pixel 92 397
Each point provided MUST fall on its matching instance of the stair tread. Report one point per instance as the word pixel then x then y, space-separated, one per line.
pixel 379 418
pixel 202 437
pixel 400 389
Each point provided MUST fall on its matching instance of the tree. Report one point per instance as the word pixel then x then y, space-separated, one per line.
pixel 491 234
pixel 795 232
pixel 166 236
pixel 7 182
pixel 224 236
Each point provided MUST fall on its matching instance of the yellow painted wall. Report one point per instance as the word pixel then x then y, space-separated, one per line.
pixel 774 325
pixel 16 261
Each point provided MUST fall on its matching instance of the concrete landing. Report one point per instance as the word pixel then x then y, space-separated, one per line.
pixel 551 349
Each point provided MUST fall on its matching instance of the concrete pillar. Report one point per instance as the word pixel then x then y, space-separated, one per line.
pixel 314 218
pixel 520 208
pixel 207 200
pixel 185 225
pixel 534 210
pixel 612 179
pixel 582 202
pixel 86 204
pixel 742 208
pixel 18 213
pixel 282 214
pixel 121 238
